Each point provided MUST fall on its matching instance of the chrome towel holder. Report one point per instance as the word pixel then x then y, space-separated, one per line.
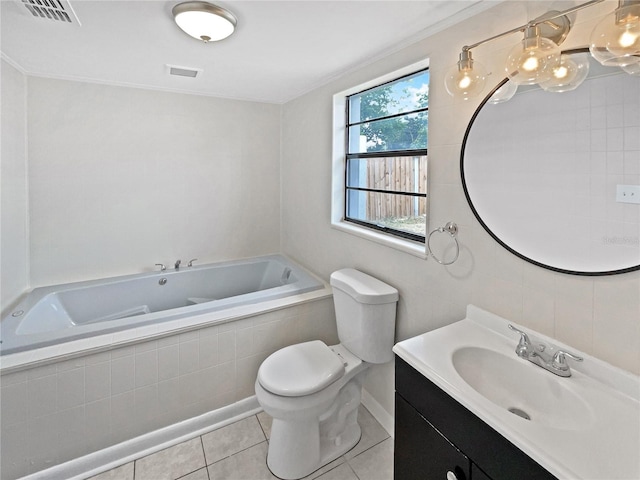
pixel 452 229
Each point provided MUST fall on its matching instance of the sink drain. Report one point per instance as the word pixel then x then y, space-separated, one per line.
pixel 520 413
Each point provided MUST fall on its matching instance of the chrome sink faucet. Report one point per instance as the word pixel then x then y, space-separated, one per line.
pixel 177 265
pixel 548 357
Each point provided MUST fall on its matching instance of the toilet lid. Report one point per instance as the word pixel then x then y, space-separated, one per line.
pixel 300 369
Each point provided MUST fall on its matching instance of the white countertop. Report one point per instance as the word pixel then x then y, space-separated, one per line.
pixel 604 444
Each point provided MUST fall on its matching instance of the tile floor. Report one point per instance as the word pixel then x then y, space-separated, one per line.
pixel 238 452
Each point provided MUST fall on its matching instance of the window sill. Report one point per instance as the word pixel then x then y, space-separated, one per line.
pixel 407 246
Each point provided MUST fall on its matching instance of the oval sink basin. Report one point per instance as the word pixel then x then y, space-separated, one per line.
pixel 522 388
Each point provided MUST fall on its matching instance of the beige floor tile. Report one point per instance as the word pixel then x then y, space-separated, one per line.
pixel 171 463
pixel 250 464
pixel 372 433
pixel 325 469
pixel 232 439
pixel 341 472
pixel 265 422
pixel 123 472
pixel 201 474
pixel 375 463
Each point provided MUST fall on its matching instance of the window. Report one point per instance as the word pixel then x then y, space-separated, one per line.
pixel 385 156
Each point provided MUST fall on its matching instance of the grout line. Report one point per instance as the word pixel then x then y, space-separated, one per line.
pixel 236 453
pixel 204 454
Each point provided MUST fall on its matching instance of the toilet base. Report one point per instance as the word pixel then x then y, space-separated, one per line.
pixel 298 447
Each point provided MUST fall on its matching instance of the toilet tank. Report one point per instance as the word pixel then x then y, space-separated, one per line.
pixel 365 314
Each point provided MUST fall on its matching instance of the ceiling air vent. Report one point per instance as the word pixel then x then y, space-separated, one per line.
pixel 57 10
pixel 183 71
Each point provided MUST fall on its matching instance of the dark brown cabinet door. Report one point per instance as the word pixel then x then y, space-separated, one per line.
pixel 421 452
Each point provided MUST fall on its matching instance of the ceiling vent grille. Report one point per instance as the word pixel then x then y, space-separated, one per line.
pixel 183 71
pixel 56 10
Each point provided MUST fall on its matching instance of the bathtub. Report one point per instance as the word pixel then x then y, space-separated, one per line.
pixel 55 315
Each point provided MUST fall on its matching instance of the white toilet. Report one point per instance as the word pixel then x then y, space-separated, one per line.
pixel 312 391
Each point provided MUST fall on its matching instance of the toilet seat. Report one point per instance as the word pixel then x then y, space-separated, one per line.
pixel 300 369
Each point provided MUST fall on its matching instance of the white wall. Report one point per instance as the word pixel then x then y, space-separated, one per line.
pixel 123 178
pixel 13 190
pixel 598 315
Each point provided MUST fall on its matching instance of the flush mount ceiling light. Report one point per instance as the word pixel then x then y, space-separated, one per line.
pixel 537 60
pixel 204 21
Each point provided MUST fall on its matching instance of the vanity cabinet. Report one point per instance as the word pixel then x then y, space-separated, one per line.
pixel 436 438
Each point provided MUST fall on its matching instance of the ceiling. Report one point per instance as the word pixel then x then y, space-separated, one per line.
pixel 280 50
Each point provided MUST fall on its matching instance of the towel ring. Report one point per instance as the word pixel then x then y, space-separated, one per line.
pixel 452 229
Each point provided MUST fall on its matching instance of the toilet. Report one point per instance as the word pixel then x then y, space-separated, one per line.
pixel 313 391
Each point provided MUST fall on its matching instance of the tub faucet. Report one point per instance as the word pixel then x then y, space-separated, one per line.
pixel 177 265
pixel 162 267
pixel 548 357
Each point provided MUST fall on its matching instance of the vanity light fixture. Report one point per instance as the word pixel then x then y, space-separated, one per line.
pixel 537 60
pixel 466 78
pixel 504 93
pixel 533 60
pixel 568 74
pixel 616 39
pixel 633 69
pixel 204 21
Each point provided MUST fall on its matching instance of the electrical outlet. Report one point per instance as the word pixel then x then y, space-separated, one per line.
pixel 628 194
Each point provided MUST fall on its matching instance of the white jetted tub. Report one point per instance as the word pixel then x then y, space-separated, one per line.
pixel 63 313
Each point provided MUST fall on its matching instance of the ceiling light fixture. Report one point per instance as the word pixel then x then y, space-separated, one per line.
pixel 537 59
pixel 204 21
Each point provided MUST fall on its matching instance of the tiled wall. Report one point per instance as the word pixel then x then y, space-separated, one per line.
pixel 14 202
pixel 54 413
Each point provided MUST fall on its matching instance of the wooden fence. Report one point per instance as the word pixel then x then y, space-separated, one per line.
pixel 400 174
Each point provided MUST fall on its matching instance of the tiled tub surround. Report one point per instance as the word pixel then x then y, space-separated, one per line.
pixel 65 409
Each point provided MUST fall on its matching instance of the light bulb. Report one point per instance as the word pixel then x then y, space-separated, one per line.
pixel 530 64
pixel 466 79
pixel 568 74
pixel 616 39
pixel 464 82
pixel 560 72
pixel 532 60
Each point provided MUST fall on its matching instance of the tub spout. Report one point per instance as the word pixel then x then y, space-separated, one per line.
pixel 177 265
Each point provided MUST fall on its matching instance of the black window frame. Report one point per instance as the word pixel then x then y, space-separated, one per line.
pixel 380 154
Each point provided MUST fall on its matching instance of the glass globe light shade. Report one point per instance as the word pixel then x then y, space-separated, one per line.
pixel 532 60
pixel 466 79
pixel 633 69
pixel 505 93
pixel 204 21
pixel 616 39
pixel 568 74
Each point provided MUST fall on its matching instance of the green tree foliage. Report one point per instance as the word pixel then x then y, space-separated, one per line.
pixel 397 133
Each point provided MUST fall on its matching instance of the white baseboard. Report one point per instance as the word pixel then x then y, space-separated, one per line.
pixel 129 450
pixel 379 413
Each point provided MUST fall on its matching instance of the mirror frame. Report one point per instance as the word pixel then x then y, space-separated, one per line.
pixel 488 229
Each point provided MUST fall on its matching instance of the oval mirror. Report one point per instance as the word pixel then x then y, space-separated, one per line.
pixel 555 177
